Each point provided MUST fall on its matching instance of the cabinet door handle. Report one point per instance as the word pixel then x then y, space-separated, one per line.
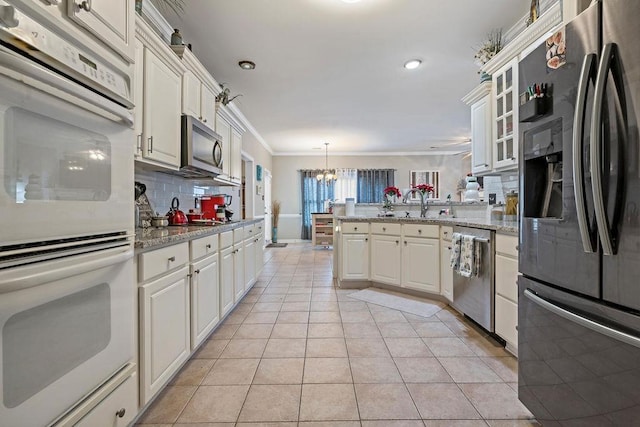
pixel 150 139
pixel 86 5
pixel 449 247
pixel 384 228
pixel 397 242
pixel 197 271
pixel 139 143
pixel 204 120
pixel 486 165
pixel 405 243
pixel 208 246
pixel 121 413
pixel 355 228
pixel 172 259
pixel 419 231
pixel 366 239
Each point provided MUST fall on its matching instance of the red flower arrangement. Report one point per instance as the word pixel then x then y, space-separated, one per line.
pixel 392 191
pixel 423 188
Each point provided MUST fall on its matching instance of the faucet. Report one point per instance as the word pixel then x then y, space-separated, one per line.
pixel 423 203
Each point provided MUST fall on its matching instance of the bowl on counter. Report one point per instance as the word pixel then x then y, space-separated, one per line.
pixel 159 221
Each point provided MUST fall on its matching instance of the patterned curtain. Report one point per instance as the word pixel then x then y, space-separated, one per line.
pixel 314 193
pixel 371 182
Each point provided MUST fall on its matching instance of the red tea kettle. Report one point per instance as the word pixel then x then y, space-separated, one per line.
pixel 176 216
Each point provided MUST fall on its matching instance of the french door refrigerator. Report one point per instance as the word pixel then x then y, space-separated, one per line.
pixel 579 258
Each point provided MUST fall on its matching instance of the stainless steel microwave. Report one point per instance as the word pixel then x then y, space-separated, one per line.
pixel 201 150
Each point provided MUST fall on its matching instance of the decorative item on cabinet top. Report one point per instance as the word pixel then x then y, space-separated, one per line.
pixel 176 6
pixel 223 96
pixel 487 50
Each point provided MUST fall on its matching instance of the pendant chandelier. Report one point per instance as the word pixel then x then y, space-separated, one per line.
pixel 328 174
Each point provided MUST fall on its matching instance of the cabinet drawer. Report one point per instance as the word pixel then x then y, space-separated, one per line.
pixel 249 231
pixel 259 227
pixel 507 277
pixel 203 246
pixel 507 245
pixel 226 239
pixel 160 261
pixel 422 230
pixel 355 227
pixel 507 320
pixel 238 235
pixel 446 232
pixel 385 228
pixel 121 401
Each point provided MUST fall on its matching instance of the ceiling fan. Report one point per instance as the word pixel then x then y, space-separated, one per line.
pixel 452 143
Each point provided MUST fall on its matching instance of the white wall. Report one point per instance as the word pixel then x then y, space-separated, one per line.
pixel 286 178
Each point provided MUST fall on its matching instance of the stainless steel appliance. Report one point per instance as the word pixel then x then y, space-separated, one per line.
pixel 579 299
pixel 474 296
pixel 201 150
pixel 66 226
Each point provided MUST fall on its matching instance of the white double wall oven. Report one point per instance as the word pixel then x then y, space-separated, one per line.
pixel 67 314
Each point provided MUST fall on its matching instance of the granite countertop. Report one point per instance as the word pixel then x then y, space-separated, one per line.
pixel 154 238
pixel 501 226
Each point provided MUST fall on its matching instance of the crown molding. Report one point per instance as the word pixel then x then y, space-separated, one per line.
pixel 479 92
pixel 545 23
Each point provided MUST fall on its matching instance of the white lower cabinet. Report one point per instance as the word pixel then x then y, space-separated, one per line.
pixel 421 264
pixel 259 257
pixel 446 272
pixel 355 257
pixel 226 280
pixel 506 321
pixel 205 305
pixel 238 270
pixel 165 330
pixel 249 262
pixel 385 259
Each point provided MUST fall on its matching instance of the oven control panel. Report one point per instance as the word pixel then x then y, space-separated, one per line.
pixel 33 39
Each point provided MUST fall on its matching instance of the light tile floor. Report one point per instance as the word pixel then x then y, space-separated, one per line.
pixel 297 351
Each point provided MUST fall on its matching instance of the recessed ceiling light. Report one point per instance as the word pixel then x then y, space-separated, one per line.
pixel 412 64
pixel 247 65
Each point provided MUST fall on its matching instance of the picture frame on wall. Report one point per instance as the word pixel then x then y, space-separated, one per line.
pixel 258 173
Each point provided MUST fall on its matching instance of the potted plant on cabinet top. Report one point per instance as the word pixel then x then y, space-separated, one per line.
pixel 489 48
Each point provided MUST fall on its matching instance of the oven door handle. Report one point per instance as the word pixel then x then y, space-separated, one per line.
pixel 38 274
pixel 583 321
pixel 28 72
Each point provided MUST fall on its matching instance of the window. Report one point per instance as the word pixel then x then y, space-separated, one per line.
pixel 346 185
pixel 425 177
pixel 371 183
pixel 314 193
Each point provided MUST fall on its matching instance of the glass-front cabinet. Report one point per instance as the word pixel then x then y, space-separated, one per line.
pixel 505 116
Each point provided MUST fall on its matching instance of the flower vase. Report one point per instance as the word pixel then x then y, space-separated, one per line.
pixel 274 235
pixel 484 77
pixel 389 199
pixel 139 7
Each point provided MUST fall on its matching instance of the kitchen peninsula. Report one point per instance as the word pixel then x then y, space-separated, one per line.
pixel 412 255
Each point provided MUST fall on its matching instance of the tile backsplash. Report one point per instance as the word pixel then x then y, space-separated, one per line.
pixel 162 187
pixel 500 185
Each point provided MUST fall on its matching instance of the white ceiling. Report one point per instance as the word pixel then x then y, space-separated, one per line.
pixel 330 71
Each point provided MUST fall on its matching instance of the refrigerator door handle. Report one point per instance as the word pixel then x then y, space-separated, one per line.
pixel 596 149
pixel 578 140
pixel 583 321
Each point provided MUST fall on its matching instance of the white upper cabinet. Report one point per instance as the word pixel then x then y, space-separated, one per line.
pixel 223 128
pixel 198 97
pixel 505 116
pixel 110 21
pixel 158 96
pixel 481 136
pixel 236 155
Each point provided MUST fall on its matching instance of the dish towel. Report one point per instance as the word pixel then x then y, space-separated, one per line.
pixel 470 256
pixel 454 261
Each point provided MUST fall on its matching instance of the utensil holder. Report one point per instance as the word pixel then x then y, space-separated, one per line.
pixel 535 108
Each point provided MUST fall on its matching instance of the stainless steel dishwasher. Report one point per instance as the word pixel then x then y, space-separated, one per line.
pixel 474 296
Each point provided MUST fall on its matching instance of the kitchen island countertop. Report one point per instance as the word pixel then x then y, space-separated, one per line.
pixel 510 227
pixel 154 238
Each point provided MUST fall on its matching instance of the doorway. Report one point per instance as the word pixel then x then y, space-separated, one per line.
pixel 267 205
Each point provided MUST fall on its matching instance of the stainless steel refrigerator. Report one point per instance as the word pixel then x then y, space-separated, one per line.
pixel 579 258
